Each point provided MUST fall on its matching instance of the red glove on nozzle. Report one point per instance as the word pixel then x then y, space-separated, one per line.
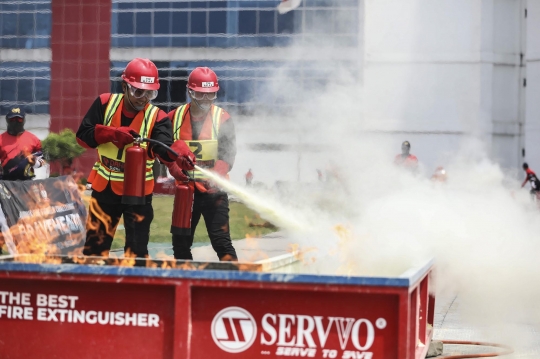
pixel 186 159
pixel 221 168
pixel 176 172
pixel 119 136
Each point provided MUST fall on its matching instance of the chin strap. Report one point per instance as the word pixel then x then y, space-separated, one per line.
pixel 200 106
pixel 132 105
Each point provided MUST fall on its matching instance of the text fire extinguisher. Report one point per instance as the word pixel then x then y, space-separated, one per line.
pixel 183 207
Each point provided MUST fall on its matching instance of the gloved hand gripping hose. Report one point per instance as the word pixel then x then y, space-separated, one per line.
pixel 159 143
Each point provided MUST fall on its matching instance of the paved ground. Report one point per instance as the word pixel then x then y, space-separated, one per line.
pixel 248 250
pixel 450 324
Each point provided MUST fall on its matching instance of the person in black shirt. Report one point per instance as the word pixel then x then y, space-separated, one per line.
pixel 530 177
pixel 209 131
pixel 109 126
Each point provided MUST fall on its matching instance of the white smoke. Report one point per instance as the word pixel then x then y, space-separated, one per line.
pixel 372 218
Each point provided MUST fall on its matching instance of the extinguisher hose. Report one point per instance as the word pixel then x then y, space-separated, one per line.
pixel 159 143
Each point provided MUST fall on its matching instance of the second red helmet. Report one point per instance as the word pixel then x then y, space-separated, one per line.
pixel 203 79
pixel 141 74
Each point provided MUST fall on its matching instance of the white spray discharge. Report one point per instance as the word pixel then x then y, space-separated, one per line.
pixel 273 212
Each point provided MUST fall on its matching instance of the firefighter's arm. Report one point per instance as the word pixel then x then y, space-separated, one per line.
pixel 524 182
pixel 162 132
pixel 86 132
pixel 226 146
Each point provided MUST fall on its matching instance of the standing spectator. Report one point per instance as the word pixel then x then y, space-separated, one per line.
pixel 319 175
pixel 531 177
pixel 20 150
pixel 406 159
pixel 249 178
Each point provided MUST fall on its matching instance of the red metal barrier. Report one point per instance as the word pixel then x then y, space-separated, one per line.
pixel 76 311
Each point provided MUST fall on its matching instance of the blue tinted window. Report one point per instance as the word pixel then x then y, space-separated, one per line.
pixel 247 22
pixel 162 5
pixel 180 5
pixel 43 22
pixel 162 22
pixel 267 22
pixel 179 23
pixel 42 89
pixel 126 5
pixel 24 90
pixel 8 90
pixel 125 23
pixel 144 5
pixel 286 23
pixel 143 23
pixel 26 24
pixel 198 22
pixel 198 4
pixel 217 22
pixel 143 41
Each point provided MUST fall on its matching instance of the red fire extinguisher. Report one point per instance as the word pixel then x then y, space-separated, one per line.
pixel 183 207
pixel 135 174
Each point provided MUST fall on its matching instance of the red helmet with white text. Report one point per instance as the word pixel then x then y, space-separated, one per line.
pixel 141 74
pixel 203 79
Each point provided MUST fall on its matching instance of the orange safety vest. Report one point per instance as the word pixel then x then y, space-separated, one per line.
pixel 205 148
pixel 110 164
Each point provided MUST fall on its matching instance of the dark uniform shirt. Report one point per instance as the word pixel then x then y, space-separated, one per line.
pixel 534 181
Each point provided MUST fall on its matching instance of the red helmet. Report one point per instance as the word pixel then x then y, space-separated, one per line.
pixel 141 74
pixel 202 79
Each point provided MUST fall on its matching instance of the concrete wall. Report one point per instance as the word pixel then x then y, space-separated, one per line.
pixel 532 91
pixel 445 71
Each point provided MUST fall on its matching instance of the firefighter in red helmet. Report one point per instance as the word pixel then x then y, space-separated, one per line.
pixel 209 132
pixel 110 126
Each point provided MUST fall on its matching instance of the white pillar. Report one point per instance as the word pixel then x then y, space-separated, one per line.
pixel 437 72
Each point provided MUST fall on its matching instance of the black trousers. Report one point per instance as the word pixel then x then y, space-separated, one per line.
pixel 101 226
pixel 214 207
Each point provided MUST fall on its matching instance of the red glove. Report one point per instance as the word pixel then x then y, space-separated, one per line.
pixel 119 136
pixel 186 159
pixel 221 168
pixel 176 172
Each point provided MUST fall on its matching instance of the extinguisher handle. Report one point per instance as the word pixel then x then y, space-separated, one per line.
pixel 159 143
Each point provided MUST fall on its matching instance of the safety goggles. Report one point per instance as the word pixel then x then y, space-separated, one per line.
pixel 140 93
pixel 203 95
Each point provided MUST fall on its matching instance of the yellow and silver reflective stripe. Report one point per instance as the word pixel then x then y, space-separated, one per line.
pixel 112 106
pixel 104 172
pixel 178 118
pixel 119 176
pixel 216 117
pixel 149 115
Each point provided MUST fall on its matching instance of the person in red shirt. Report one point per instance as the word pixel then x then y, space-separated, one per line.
pixel 20 150
pixel 249 178
pixel 405 159
pixel 209 131
pixel 531 177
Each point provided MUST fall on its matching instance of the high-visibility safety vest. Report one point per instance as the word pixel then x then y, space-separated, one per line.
pixel 205 148
pixel 110 166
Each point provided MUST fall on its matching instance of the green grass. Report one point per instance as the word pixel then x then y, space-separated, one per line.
pixel 240 218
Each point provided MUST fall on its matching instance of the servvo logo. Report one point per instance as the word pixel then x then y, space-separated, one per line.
pixel 234 330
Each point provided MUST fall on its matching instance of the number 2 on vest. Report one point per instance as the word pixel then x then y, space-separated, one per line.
pixel 197 150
